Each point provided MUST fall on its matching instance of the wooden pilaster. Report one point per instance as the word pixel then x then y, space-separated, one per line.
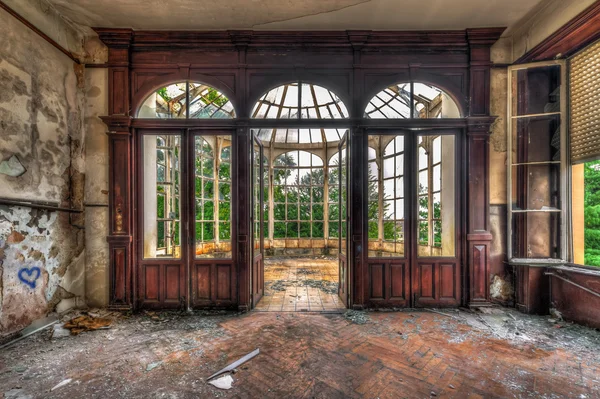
pixel 479 237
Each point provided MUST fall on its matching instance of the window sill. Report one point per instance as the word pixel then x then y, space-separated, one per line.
pixel 536 262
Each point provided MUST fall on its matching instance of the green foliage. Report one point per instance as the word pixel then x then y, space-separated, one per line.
pixel 163 93
pixel 592 213
pixel 214 97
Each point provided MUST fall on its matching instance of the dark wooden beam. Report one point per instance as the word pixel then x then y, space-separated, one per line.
pixel 570 38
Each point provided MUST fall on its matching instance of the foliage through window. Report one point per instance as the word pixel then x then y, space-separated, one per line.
pixel 162 201
pixel 385 211
pixel 212 185
pixel 298 195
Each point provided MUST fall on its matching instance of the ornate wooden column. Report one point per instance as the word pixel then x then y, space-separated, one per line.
pixel 357 187
pixel 120 227
pixel 479 237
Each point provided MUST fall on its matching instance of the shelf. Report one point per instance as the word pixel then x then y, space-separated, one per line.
pixel 554 210
pixel 537 163
pixel 544 115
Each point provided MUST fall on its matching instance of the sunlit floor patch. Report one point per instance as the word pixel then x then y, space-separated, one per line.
pixel 300 285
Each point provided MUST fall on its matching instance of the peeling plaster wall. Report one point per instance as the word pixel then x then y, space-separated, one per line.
pixel 41 123
pixel 96 187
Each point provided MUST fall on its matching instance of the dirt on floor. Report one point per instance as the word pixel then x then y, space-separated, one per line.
pixel 497 353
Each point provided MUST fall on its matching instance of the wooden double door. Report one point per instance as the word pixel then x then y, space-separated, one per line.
pixel 413 219
pixel 187 185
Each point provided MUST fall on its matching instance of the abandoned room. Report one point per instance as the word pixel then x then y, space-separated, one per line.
pixel 311 199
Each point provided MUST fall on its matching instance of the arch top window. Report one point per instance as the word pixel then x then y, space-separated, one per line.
pixel 299 100
pixel 412 100
pixel 171 102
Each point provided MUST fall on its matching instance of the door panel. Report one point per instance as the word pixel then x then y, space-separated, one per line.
pixel 202 277
pixel 213 284
pixel 162 285
pixel 257 221
pixel 344 221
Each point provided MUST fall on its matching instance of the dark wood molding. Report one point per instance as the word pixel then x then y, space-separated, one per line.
pixel 455 40
pixel 39 32
pixel 570 38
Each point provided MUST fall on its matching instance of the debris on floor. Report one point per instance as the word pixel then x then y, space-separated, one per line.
pixel 235 364
pixel 223 382
pixel 357 316
pixel 335 357
pixel 83 323
pixel 62 384
pixel 305 271
pixel 59 331
pixel 152 366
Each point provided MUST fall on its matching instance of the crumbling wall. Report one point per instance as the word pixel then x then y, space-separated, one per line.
pixel 42 141
pixel 96 187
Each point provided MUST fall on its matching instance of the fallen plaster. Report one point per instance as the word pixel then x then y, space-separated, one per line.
pixel 12 167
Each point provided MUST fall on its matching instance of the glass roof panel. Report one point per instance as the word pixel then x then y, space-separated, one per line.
pixel 165 103
pixel 428 101
pixel 171 102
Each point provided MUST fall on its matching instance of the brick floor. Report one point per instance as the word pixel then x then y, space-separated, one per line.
pixel 393 355
pixel 295 275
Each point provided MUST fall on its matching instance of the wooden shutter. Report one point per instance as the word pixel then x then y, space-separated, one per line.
pixel 585 104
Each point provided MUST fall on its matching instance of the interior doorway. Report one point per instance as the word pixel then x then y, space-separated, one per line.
pixel 299 219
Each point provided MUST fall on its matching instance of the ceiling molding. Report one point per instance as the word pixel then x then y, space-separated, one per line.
pixel 570 38
pixel 442 40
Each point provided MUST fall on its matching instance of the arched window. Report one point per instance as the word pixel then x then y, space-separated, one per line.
pixel 299 100
pixel 298 197
pixel 412 100
pixel 213 196
pixel 171 102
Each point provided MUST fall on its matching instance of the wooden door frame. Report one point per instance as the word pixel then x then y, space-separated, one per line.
pixel 353 64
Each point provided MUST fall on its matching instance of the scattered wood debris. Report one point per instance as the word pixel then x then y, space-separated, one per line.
pixel 235 364
pixel 83 323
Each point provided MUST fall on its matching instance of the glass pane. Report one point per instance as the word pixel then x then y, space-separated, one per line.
pixel 536 187
pixel 206 102
pixel 536 235
pixel 436 202
pixel 165 103
pixel 162 235
pixel 432 102
pixel 536 90
pixel 536 139
pixel 385 212
pixel 212 196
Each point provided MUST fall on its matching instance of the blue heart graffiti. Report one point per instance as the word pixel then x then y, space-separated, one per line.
pixel 30 276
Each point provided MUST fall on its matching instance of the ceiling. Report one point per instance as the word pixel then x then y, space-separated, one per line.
pixel 295 14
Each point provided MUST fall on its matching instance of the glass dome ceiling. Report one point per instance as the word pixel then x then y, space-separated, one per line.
pixel 299 100
pixel 321 137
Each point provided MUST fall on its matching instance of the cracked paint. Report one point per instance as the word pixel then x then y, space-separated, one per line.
pixel 42 128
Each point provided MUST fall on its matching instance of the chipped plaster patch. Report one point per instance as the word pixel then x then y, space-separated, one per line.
pixel 12 167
